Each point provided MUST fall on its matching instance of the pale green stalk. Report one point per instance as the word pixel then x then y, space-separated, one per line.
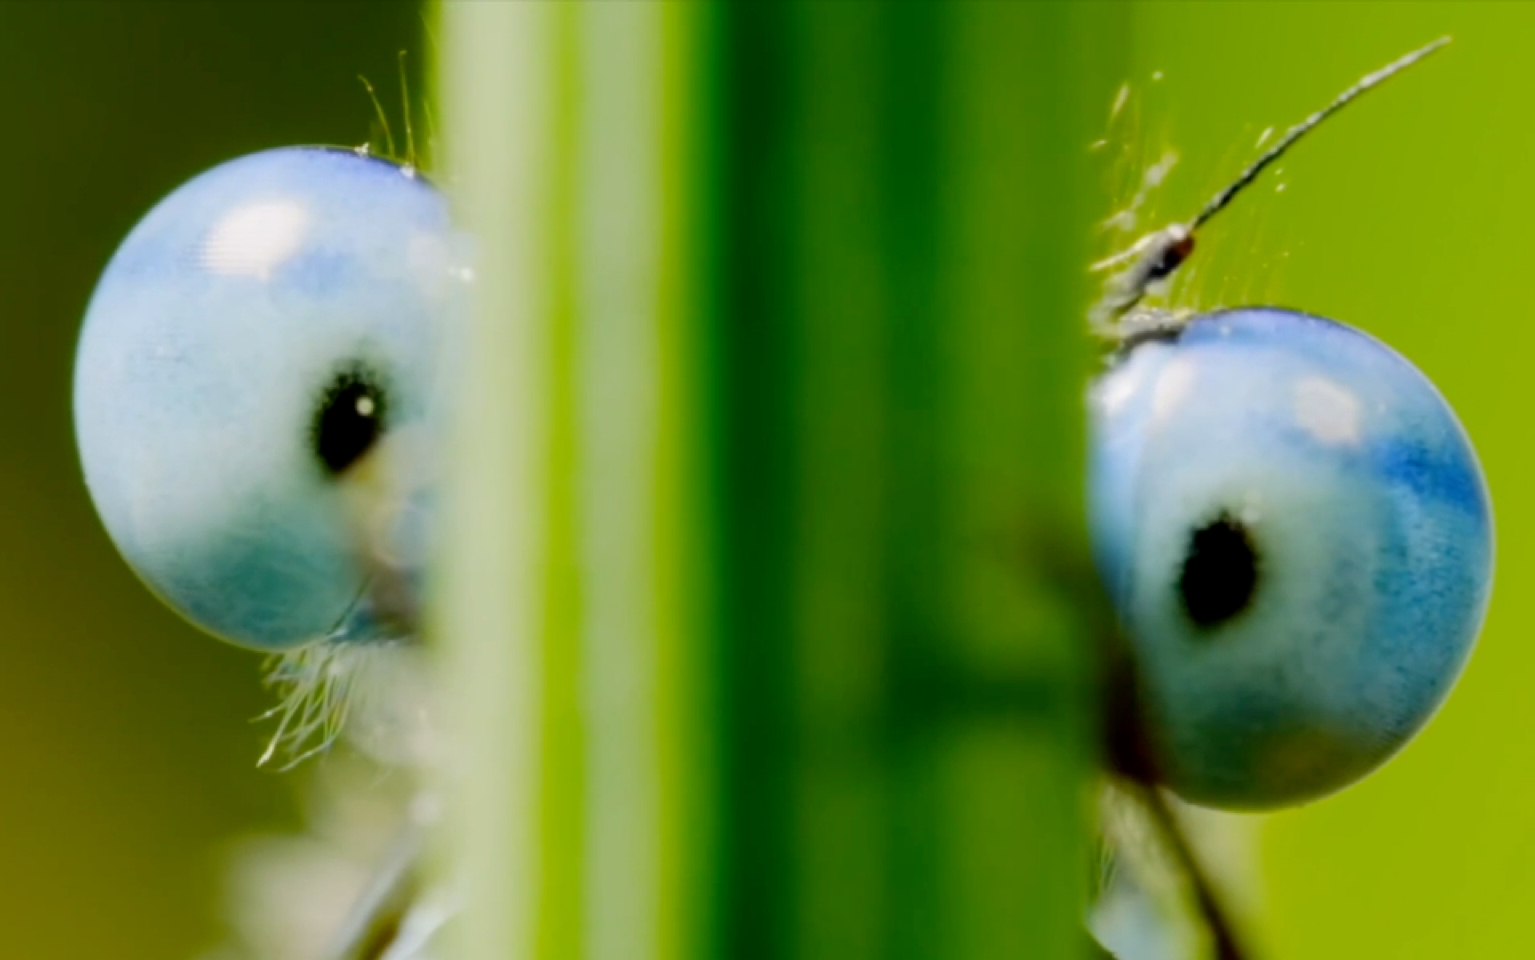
pixel 572 598
pixel 497 110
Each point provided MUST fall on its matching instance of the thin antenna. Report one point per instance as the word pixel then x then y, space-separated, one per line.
pixel 1246 177
pixel 378 110
pixel 1155 256
pixel 410 134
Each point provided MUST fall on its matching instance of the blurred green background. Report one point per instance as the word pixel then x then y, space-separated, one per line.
pixel 125 738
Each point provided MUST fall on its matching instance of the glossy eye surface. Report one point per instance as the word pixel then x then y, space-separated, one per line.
pixel 257 392
pixel 1297 537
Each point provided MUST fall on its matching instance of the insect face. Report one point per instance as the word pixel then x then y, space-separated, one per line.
pixel 257 393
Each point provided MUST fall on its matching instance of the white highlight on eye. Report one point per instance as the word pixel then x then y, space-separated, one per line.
pixel 253 240
pixel 1327 411
pixel 1172 388
pixel 1116 391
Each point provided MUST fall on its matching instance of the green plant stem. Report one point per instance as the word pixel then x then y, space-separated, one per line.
pixel 769 465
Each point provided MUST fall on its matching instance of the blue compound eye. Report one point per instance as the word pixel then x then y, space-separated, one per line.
pixel 1296 534
pixel 258 389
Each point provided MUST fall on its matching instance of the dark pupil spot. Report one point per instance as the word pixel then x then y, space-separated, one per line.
pixel 349 420
pixel 1220 572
